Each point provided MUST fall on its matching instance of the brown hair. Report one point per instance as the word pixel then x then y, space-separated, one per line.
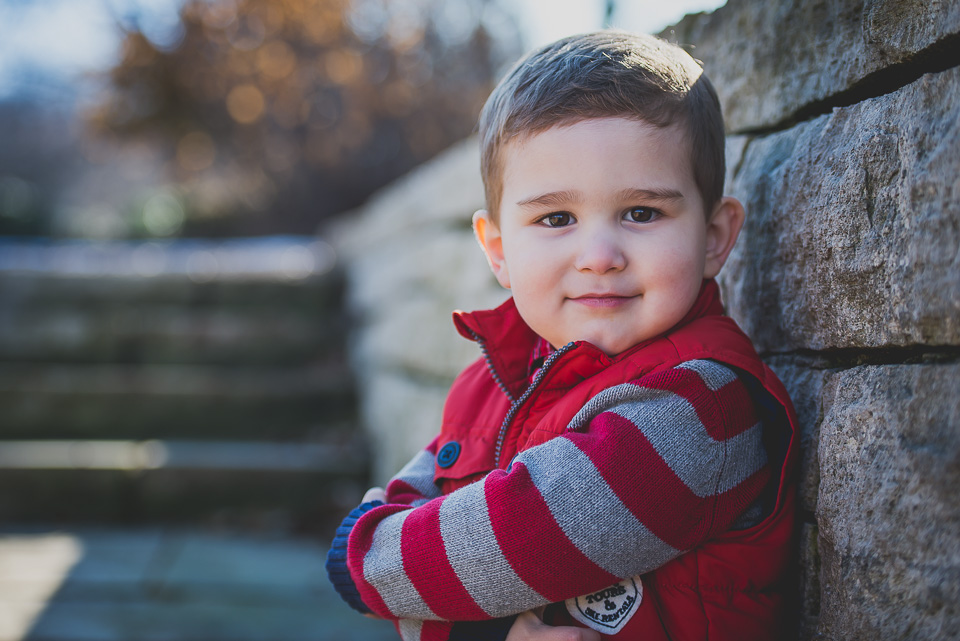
pixel 601 75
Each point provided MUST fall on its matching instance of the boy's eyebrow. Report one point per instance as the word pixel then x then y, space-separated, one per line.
pixel 560 198
pixel 655 193
pixel 552 199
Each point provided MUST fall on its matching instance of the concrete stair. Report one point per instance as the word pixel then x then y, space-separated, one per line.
pixel 188 382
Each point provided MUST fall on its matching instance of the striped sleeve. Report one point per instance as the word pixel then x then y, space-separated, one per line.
pixel 413 485
pixel 646 471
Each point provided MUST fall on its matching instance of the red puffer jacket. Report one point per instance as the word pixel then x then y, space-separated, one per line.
pixel 732 587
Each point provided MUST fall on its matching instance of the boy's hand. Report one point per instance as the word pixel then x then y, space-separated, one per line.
pixel 529 627
pixel 374 494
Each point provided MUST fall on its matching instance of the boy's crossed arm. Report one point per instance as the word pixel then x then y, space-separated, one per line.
pixel 662 464
pixel 414 484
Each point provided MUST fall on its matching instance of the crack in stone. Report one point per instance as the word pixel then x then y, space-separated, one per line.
pixel 743 156
pixel 937 58
pixel 848 357
pixel 869 194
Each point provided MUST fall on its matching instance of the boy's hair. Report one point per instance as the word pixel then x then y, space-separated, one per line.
pixel 602 75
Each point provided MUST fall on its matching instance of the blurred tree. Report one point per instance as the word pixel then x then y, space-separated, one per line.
pixel 34 158
pixel 277 113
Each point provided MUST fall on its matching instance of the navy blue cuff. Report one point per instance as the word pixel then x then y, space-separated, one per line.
pixel 489 630
pixel 337 560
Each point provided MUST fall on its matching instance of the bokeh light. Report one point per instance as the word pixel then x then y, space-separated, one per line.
pixel 245 104
pixel 163 215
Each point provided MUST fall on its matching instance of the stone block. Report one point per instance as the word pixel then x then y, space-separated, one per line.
pixel 442 267
pixel 805 383
pixel 447 188
pixel 417 338
pixel 889 520
pixel 853 226
pixel 772 60
pixel 411 260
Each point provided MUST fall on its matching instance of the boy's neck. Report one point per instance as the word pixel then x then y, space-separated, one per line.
pixel 541 351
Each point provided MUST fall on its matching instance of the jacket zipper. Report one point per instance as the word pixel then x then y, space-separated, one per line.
pixel 515 407
pixel 493 372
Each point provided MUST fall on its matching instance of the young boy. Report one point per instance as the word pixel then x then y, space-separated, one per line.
pixel 619 459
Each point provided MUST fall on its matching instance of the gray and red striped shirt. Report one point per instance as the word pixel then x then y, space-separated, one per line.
pixel 644 472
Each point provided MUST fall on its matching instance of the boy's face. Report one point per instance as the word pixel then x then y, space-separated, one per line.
pixel 602 234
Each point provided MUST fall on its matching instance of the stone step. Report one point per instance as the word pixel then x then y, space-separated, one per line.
pixel 331 457
pixel 49 289
pixel 59 317
pixel 170 401
pixel 190 381
pixel 300 486
pixel 261 300
pixel 162 333
pixel 262 258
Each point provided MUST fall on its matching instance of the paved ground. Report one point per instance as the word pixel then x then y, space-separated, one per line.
pixel 169 585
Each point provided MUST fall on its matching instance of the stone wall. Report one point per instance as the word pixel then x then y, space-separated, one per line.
pixel 844 145
pixel 410 260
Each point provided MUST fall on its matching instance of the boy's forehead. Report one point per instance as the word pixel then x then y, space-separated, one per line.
pixel 671 135
pixel 524 145
pixel 529 132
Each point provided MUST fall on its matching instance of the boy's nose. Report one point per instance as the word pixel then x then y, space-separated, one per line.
pixel 600 253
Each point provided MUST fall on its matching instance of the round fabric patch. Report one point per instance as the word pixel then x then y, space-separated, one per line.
pixel 448 454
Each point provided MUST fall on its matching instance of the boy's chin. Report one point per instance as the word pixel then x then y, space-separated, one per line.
pixel 611 348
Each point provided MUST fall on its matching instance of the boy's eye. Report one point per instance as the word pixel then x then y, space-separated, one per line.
pixel 642 214
pixel 558 219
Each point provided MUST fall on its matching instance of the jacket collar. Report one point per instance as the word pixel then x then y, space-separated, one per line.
pixel 507 341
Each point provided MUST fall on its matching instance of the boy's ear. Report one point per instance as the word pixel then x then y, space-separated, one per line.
pixel 488 235
pixel 723 227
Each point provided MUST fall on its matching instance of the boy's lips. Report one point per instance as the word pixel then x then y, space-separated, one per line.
pixel 601 300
